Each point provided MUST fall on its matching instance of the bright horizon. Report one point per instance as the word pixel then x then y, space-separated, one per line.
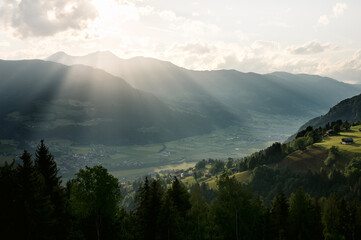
pixel 311 37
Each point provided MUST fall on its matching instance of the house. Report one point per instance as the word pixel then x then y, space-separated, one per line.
pixel 347 141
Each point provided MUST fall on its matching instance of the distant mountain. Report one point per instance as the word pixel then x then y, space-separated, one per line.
pixel 167 81
pixel 40 99
pixel 248 95
pixel 348 109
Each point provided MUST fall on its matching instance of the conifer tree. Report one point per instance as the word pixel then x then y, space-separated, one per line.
pixel 8 199
pixel 47 168
pixel 279 215
pixel 34 206
pixel 199 214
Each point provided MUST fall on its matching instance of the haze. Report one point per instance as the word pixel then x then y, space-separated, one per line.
pixel 314 37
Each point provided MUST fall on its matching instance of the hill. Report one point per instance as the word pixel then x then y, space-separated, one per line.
pixel 347 110
pixel 40 99
pixel 313 157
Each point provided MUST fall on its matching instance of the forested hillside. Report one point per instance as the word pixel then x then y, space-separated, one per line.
pixel 347 110
pixel 37 206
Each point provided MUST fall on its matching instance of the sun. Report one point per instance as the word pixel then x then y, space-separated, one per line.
pixel 113 10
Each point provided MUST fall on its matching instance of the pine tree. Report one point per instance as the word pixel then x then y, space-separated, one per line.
pixel 34 206
pixel 199 214
pixel 279 215
pixel 8 199
pixel 47 168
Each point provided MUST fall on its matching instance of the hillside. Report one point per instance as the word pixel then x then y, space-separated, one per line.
pixel 347 110
pixel 40 99
pixel 313 157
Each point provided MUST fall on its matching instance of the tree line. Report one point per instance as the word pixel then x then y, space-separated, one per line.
pixel 36 205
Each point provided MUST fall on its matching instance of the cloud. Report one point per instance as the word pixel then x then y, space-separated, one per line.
pixel 323 21
pixel 29 18
pixel 339 9
pixel 350 69
pixel 197 48
pixel 262 46
pixel 4 44
pixel 186 26
pixel 308 48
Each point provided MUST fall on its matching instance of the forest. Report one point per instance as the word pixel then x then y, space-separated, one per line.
pixel 37 205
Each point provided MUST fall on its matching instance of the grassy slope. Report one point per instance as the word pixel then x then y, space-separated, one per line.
pixel 312 159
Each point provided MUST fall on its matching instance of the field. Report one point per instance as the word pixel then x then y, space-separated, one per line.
pixel 137 160
pixel 354 133
pixel 312 158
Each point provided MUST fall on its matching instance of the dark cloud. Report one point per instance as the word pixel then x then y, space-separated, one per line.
pixel 309 48
pixel 46 17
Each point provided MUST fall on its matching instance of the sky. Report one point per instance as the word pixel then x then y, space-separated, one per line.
pixel 314 37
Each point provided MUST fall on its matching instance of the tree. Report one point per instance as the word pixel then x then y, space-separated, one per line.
pixel 8 200
pixel 148 207
pixel 236 215
pixel 201 165
pixel 46 166
pixel 230 163
pixel 331 218
pixel 199 214
pixel 197 175
pixel 217 167
pixel 279 215
pixel 34 207
pixel 174 214
pixel 95 197
pixel 333 153
pixel 303 217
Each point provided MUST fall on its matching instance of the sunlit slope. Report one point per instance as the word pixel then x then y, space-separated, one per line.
pixel 41 99
pixel 313 157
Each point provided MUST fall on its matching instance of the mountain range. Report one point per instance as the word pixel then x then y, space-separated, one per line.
pixel 46 100
pixel 241 93
pixel 100 98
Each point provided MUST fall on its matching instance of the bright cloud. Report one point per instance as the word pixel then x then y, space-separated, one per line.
pixel 239 35
pixel 46 17
pixel 339 9
pixel 323 21
pixel 311 47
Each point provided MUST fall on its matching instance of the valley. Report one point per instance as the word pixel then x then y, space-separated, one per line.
pixel 132 161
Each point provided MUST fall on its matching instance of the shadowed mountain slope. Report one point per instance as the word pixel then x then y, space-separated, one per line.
pixel 45 99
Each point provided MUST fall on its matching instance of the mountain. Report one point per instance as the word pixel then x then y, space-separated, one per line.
pixel 250 96
pixel 348 109
pixel 40 99
pixel 167 81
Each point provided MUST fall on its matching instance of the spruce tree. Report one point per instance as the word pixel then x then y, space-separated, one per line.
pixel 34 211
pixel 46 166
pixel 199 214
pixel 279 215
pixel 8 199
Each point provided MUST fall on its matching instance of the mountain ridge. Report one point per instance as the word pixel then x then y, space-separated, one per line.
pixel 45 99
